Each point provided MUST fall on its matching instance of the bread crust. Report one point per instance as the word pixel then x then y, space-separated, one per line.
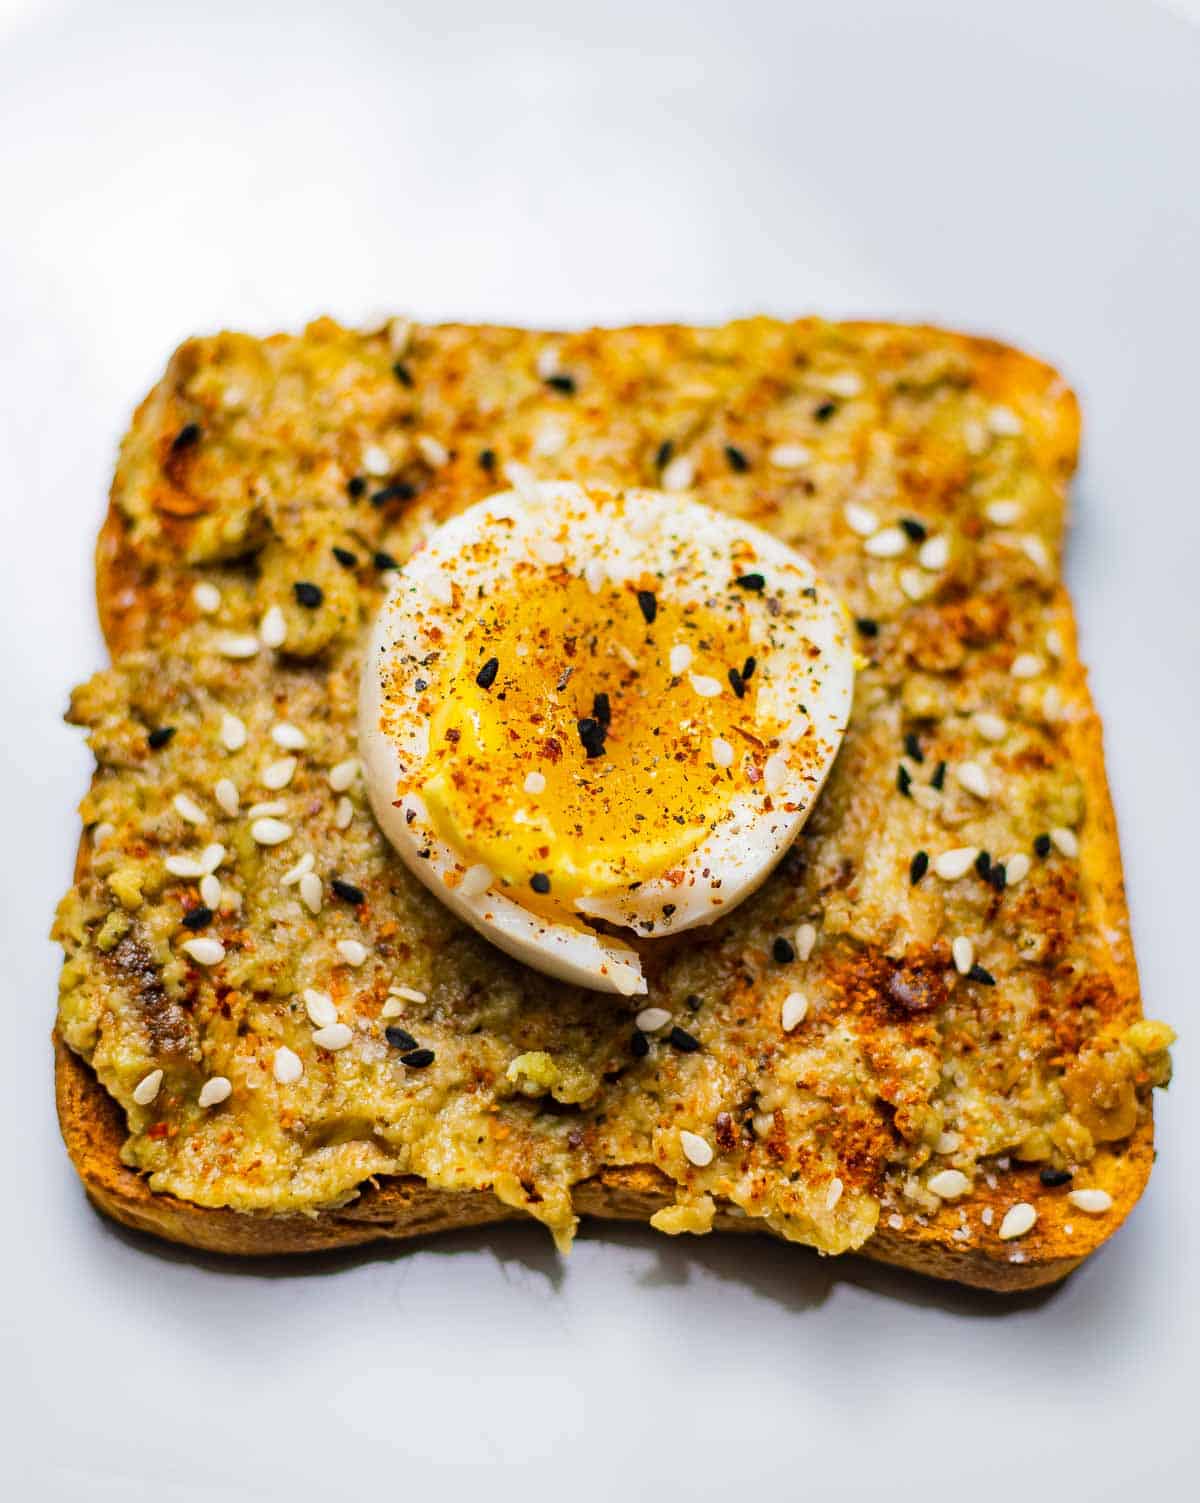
pixel 394 1208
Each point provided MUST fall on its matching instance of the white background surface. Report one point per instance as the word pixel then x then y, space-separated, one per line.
pixel 1027 169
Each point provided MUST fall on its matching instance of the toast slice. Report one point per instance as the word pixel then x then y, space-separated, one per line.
pixel 329 455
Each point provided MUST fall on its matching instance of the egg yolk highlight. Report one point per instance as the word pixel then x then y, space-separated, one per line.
pixel 566 755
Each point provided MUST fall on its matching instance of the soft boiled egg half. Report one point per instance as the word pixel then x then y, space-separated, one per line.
pixel 586 714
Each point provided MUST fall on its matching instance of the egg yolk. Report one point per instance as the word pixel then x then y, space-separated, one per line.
pixel 566 755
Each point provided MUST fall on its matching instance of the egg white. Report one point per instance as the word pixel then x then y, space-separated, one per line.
pixel 560 524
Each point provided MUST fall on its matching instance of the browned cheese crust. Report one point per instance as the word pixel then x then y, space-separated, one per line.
pixel 250 464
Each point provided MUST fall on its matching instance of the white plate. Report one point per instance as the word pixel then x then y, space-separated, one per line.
pixel 1027 169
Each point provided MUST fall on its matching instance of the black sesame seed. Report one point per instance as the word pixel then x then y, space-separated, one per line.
pixel 1054 1178
pixel 487 460
pixel 187 436
pixel 348 891
pixel 867 626
pixel 591 735
pixel 736 684
pixel 918 866
pixel 913 747
pixel 420 685
pixel 663 456
pixel 399 491
pixel 159 736
pixel 639 1046
pixel 402 373
pixel 693 1001
pixel 356 486
pixel 738 462
pixel 983 864
pixel 602 709
pixel 399 1038
pixel 938 780
pixel 903 781
pixel 668 909
pixel 748 668
pixel 344 557
pixel 418 1059
pixel 1041 845
pixel 540 882
pixel 753 582
pixel 977 973
pixel 997 876
pixel 486 676
pixel 648 605
pixel 384 560
pixel 197 918
pixel 681 1039
pixel 914 530
pixel 825 411
pixel 308 594
pixel 562 382
pixel 782 951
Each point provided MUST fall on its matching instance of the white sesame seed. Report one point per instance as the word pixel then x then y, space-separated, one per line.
pixel 679 474
pixel 895 1221
pixel 834 1193
pixel 550 551
pixel 269 809
pixel 522 480
pixel 234 646
pixel 789 456
pixel 343 813
pixel 722 752
pixel 1066 842
pixel 211 857
pixel 270 831
pixel 184 866
pixel 408 993
pixel 625 655
pixel 550 438
pixel 287 1066
pixel 964 954
pixel 775 773
pixel 1003 422
pixel 949 1184
pixel 1094 1202
pixel 233 732
pixel 794 1011
pixel 990 727
pixel 844 383
pixel 352 951
pixel 204 951
pixel 680 659
pixel 476 881
pixel 705 687
pixel 1003 513
pixel 400 331
pixel 593 573
pixel 987 1215
pixel 763 1122
pixel 651 1019
pixel 215 1090
pixel 375 460
pixel 1054 642
pixel 147 1088
pixel 795 730
pixel 210 890
pixel 888 542
pixel 335 1037
pixel 934 553
pixel 432 450
pixel 1035 551
pixel 947 1142
pixel 293 874
pixel 974 779
pixel 805 940
pixel 1017 1221
pixel 860 519
pixel 272 629
pixel 343 774
pixel 392 1008
pixel 278 774
pixel 1016 868
pixel 695 1149
pixel 312 892
pixel 914 584
pixel 547 362
pixel 535 782
pixel 289 737
pixel 102 833
pixel 1052 702
pixel 207 598
pixel 1027 665
pixel 226 795
pixel 952 864
pixel 320 1007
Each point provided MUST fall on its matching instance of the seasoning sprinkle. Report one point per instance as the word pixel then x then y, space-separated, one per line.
pixel 486 676
pixel 308 594
pixel 347 891
pixel 648 605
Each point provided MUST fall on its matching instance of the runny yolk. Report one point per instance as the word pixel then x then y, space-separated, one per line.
pixel 624 782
